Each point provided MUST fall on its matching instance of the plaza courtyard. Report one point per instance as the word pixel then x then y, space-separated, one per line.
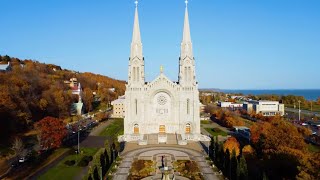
pixel 175 158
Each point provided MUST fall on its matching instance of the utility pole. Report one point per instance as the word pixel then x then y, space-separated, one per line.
pixel 78 136
pixel 299 110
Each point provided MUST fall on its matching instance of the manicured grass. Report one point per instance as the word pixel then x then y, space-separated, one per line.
pixel 313 148
pixel 216 131
pixel 62 171
pixel 114 129
pixel 205 122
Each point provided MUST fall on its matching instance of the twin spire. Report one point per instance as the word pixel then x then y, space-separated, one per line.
pixel 136 37
pixel 186 74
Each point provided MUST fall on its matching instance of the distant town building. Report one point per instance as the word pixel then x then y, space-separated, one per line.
pixel 264 107
pixel 112 89
pixel 78 107
pixel 205 116
pixel 202 107
pixel 76 89
pixel 5 67
pixel 230 105
pixel 118 107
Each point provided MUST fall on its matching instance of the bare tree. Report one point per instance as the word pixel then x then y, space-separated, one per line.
pixel 17 146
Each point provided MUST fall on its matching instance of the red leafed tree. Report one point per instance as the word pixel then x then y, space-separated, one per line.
pixel 51 132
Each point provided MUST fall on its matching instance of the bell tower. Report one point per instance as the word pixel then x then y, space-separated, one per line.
pixel 136 60
pixel 187 75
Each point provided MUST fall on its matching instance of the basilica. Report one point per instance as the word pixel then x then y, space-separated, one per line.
pixel 162 107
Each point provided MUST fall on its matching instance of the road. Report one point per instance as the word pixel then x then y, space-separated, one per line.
pixel 309 113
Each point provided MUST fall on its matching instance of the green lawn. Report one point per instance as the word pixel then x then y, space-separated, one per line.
pixel 114 129
pixel 62 171
pixel 313 148
pixel 205 122
pixel 216 131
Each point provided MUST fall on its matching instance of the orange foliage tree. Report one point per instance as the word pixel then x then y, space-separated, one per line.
pixel 232 144
pixel 283 149
pixel 51 132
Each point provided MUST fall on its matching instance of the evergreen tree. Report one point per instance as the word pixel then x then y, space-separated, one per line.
pixel 90 177
pixel 106 158
pixel 103 164
pixel 216 153
pixel 212 148
pixel 221 157
pixel 242 170
pixel 96 174
pixel 226 165
pixel 111 153
pixel 233 165
pixel 264 176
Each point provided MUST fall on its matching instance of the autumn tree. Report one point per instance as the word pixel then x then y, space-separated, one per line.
pixel 247 150
pixel 51 132
pixel 283 149
pixel 88 98
pixel 232 144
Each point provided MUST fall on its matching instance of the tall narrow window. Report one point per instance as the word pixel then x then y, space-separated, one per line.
pixel 138 75
pixel 134 73
pixel 189 74
pixel 188 106
pixel 136 103
pixel 185 73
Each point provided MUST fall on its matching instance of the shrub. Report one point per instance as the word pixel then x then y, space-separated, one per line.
pixel 70 162
pixel 85 161
pixel 88 158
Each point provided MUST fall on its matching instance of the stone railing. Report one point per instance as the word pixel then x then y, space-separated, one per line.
pixel 130 137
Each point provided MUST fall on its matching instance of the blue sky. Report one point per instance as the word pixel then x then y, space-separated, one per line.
pixel 238 44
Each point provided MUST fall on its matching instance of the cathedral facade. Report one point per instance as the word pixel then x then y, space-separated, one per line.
pixel 161 106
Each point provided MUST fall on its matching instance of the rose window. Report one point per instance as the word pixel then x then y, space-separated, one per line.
pixel 162 100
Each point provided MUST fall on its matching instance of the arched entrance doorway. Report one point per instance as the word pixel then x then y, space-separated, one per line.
pixel 188 128
pixel 162 129
pixel 136 129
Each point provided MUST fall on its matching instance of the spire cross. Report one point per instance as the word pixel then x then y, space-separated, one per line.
pixel 186 2
pixel 136 2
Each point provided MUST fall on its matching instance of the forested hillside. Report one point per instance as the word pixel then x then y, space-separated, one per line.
pixel 31 91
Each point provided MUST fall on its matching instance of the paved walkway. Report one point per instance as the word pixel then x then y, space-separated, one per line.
pixel 94 141
pixel 176 152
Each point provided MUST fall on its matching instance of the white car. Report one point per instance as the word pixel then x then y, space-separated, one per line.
pixel 21 160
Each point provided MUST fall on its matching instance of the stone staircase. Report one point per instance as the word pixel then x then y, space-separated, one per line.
pixel 172 139
pixel 152 138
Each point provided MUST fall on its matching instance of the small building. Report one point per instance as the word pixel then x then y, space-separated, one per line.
pixel 118 107
pixel 202 107
pixel 5 67
pixel 264 107
pixel 230 105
